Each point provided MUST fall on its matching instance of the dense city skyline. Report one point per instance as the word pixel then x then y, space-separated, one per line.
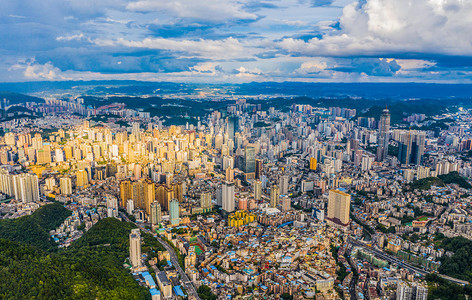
pixel 236 150
pixel 235 197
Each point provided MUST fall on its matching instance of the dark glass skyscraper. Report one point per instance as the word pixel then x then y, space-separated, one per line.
pixel 411 147
pixel 384 128
pixel 232 123
pixel 249 159
pixel 258 169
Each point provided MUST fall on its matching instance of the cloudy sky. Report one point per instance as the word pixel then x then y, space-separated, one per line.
pixel 237 41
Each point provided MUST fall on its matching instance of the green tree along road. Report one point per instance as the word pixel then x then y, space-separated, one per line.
pixel 205 293
pixel 440 288
pixel 92 268
pixel 459 265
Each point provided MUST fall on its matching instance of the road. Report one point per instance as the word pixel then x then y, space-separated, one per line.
pixel 189 287
pixel 352 285
pixel 401 263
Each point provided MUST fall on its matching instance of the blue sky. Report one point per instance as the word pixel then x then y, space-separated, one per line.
pixel 237 41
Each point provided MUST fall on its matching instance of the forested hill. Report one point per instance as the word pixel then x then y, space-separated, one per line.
pixel 34 229
pixel 92 268
pixel 15 98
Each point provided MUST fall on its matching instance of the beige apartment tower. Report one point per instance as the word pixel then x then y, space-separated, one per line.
pixel 339 204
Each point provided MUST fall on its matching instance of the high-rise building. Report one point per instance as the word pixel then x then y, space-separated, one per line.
pixel 82 178
pixel 65 184
pixel 129 206
pixel 174 212
pixel 232 126
pixel 164 194
pixel 228 197
pixel 286 203
pixel 313 163
pixel 125 192
pixel 257 190
pixel 50 183
pixel 26 187
pixel 339 204
pixel 283 185
pixel 274 195
pixel 135 248
pixel 136 131
pixel 228 162
pixel 249 159
pixel 411 291
pixel 43 156
pixel 422 172
pixel 382 149
pixel 143 193
pixel 205 201
pixel 411 147
pixel 156 213
pixel 258 169
pixel 59 155
pixel 6 183
pixel 229 175
pixel 219 195
pixel 112 207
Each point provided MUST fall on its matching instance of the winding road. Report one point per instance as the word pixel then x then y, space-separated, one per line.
pixel 189 287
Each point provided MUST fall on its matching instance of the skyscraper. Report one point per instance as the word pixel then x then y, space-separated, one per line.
pixel 286 203
pixel 82 178
pixel 228 162
pixel 313 163
pixel 249 159
pixel 382 149
pixel 283 185
pixel 411 147
pixel 155 216
pixel 257 190
pixel 232 126
pixel 129 206
pixel 135 248
pixel 229 175
pixel 258 169
pixel 205 201
pixel 112 207
pixel 174 212
pixel 125 192
pixel 274 196
pixel 26 187
pixel 228 197
pixel 339 204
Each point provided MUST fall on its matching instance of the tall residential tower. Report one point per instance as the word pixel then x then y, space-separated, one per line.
pixel 384 128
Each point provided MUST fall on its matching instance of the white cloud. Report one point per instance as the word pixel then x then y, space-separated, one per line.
pixel 38 71
pixel 71 37
pixel 380 27
pixel 312 66
pixel 214 49
pixel 209 10
pixel 414 64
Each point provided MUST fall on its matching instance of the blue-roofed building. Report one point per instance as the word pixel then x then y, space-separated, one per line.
pixel 155 294
pixel 149 280
pixel 178 291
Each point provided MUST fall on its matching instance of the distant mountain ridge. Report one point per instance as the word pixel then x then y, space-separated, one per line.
pixel 17 98
pixel 399 91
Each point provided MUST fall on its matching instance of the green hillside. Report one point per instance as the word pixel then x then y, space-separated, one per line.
pixel 34 229
pixel 32 267
pixel 15 98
